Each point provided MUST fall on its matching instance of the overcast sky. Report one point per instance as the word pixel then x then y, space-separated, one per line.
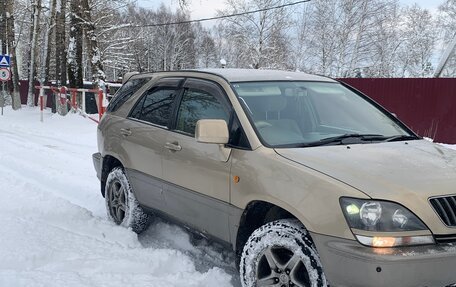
pixel 207 8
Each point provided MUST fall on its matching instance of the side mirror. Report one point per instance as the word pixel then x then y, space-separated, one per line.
pixel 212 131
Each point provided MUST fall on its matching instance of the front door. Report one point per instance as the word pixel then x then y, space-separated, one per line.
pixel 197 175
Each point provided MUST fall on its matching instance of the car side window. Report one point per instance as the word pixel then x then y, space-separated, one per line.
pixel 155 106
pixel 196 105
pixel 125 92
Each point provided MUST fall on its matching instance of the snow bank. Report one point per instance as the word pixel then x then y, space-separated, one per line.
pixel 54 230
pixel 449 146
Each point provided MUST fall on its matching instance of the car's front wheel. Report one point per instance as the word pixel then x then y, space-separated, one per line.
pixel 121 204
pixel 281 253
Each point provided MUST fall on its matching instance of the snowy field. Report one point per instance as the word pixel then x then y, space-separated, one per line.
pixel 54 230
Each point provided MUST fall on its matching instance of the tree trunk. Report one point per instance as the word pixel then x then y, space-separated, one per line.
pixel 75 46
pixel 48 42
pixel 60 53
pixel 60 41
pixel 2 48
pixel 33 51
pixel 98 74
pixel 3 28
pixel 16 97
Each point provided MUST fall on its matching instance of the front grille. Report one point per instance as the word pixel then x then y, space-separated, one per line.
pixel 446 209
pixel 443 239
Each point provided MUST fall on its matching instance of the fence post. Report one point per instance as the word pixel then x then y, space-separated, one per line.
pixel 83 100
pixel 41 103
pixel 74 93
pixel 100 104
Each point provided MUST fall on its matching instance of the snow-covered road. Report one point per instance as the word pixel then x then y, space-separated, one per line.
pixel 54 231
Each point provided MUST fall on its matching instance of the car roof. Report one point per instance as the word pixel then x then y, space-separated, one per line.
pixel 253 75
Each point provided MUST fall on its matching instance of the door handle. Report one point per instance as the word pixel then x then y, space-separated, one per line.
pixel 125 132
pixel 173 146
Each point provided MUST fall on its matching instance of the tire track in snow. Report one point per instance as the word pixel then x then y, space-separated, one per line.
pixel 50 237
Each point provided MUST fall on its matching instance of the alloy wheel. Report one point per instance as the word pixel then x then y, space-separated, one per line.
pixel 280 267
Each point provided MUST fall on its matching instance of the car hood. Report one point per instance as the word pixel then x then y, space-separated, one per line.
pixel 398 171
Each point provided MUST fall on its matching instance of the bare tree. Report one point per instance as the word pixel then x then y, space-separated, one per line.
pixel 447 25
pixel 418 45
pixel 386 43
pixel 98 74
pixel 258 34
pixel 205 47
pixel 75 45
pixel 3 46
pixel 16 99
pixel 33 51
pixel 48 43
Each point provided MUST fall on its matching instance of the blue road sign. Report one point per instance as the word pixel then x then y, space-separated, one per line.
pixel 4 61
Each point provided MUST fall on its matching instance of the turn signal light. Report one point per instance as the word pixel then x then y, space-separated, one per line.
pixel 383 241
pixel 389 241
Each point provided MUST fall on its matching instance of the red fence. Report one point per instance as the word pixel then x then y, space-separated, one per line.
pixel 427 106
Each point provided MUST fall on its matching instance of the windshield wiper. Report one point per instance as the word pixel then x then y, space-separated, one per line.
pixel 344 139
pixel 353 138
pixel 400 138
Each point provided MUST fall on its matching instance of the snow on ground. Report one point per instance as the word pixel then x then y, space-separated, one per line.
pixel 54 231
pixel 449 146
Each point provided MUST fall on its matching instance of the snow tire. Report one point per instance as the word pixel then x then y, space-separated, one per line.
pixel 281 253
pixel 121 204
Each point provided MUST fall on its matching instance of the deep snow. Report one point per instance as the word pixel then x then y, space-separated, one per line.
pixel 54 230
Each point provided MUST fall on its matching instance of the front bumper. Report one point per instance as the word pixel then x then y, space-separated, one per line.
pixel 347 263
pixel 96 157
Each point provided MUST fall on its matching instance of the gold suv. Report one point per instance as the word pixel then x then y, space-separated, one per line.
pixel 311 182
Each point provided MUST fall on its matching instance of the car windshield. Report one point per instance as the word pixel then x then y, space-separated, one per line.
pixel 301 113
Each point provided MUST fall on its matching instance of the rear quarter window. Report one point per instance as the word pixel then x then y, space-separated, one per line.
pixel 125 92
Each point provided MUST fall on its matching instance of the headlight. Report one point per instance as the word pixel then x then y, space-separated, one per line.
pixel 370 218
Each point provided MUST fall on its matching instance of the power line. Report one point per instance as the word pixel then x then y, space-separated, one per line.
pixel 213 18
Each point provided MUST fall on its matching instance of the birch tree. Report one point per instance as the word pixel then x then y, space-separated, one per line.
pixel 60 40
pixel 447 26
pixel 48 43
pixel 11 39
pixel 75 46
pixel 2 45
pixel 205 47
pixel 36 7
pixel 94 53
pixel 386 44
pixel 419 42
pixel 258 34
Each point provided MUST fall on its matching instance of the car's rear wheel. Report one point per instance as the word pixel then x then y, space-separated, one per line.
pixel 281 254
pixel 121 204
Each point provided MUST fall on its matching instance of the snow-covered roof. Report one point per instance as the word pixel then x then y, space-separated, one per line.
pixel 249 75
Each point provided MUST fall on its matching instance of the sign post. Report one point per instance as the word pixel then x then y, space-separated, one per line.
pixel 5 76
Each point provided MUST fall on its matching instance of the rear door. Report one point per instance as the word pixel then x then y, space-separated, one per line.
pixel 144 137
pixel 197 175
